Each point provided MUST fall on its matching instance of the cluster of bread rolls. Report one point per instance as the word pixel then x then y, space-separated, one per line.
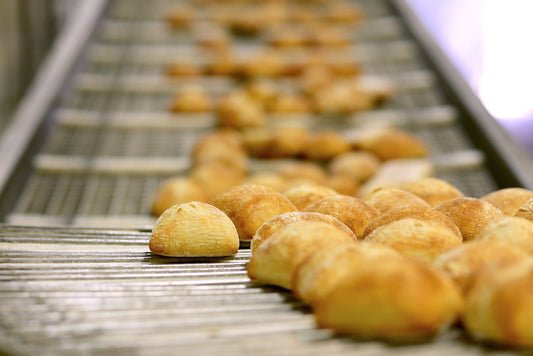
pixel 221 159
pixel 405 263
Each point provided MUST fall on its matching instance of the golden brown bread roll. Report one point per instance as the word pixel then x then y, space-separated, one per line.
pixel 180 16
pixel 526 210
pixel 389 143
pixel 276 259
pixel 223 146
pixel 433 190
pixel 409 211
pixel 304 170
pixel 320 271
pixel 353 212
pixel 510 229
pixel 304 195
pixel 325 144
pixel 499 305
pixel 191 100
pixel 287 141
pixel 250 205
pixel 417 238
pixel 463 262
pixel 270 179
pixel 358 165
pixel 286 103
pixel 471 215
pixel 215 177
pixel 176 190
pixel 183 69
pixel 265 231
pixel 238 110
pixel 509 200
pixel 343 184
pixel 392 298
pixel 386 198
pixel 194 229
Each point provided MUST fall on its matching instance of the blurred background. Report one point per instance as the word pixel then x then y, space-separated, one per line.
pixel 487 40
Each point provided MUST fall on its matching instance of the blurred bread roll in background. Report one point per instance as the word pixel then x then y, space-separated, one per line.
pixel 433 190
pixel 303 195
pixel 176 190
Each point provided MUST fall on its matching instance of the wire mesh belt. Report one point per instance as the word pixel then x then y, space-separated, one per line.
pixel 66 290
pixel 98 292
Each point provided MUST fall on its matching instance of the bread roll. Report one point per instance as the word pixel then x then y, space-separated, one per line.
pixel 526 210
pixel 358 165
pixel 270 179
pixel 499 305
pixel 287 141
pixel 392 298
pixel 433 190
pixel 275 260
pixel 342 184
pixel 389 143
pixel 387 198
pixel 176 190
pixel 471 215
pixel 509 200
pixel 303 195
pixel 289 104
pixel 238 110
pixel 250 205
pixel 463 262
pixel 223 147
pixel 191 100
pixel 353 212
pixel 304 170
pixel 324 145
pixel 265 231
pixel 180 17
pixel 194 229
pixel 215 177
pixel 510 229
pixel 416 238
pixel 410 211
pixel 320 272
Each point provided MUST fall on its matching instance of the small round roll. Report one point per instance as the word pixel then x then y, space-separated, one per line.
pixel 176 190
pixel 509 200
pixel 463 262
pixel 387 198
pixel 325 145
pixel 304 170
pixel 471 215
pixel 306 194
pixel 271 226
pixel 194 229
pixel 191 100
pixel 275 261
pixel 510 229
pixel 358 165
pixel 392 298
pixel 433 190
pixel 215 177
pixel 353 212
pixel 420 239
pixel 409 211
pixel 321 271
pixel 250 205
pixel 499 305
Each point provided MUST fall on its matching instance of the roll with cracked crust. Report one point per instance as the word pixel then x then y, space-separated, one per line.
pixel 270 227
pixel 250 205
pixel 275 260
pixel 353 212
pixel 194 229
pixel 471 215
pixel 393 298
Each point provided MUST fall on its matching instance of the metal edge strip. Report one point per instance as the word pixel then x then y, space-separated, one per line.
pixel 510 163
pixel 45 88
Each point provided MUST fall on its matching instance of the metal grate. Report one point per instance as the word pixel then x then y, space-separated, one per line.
pixel 96 292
